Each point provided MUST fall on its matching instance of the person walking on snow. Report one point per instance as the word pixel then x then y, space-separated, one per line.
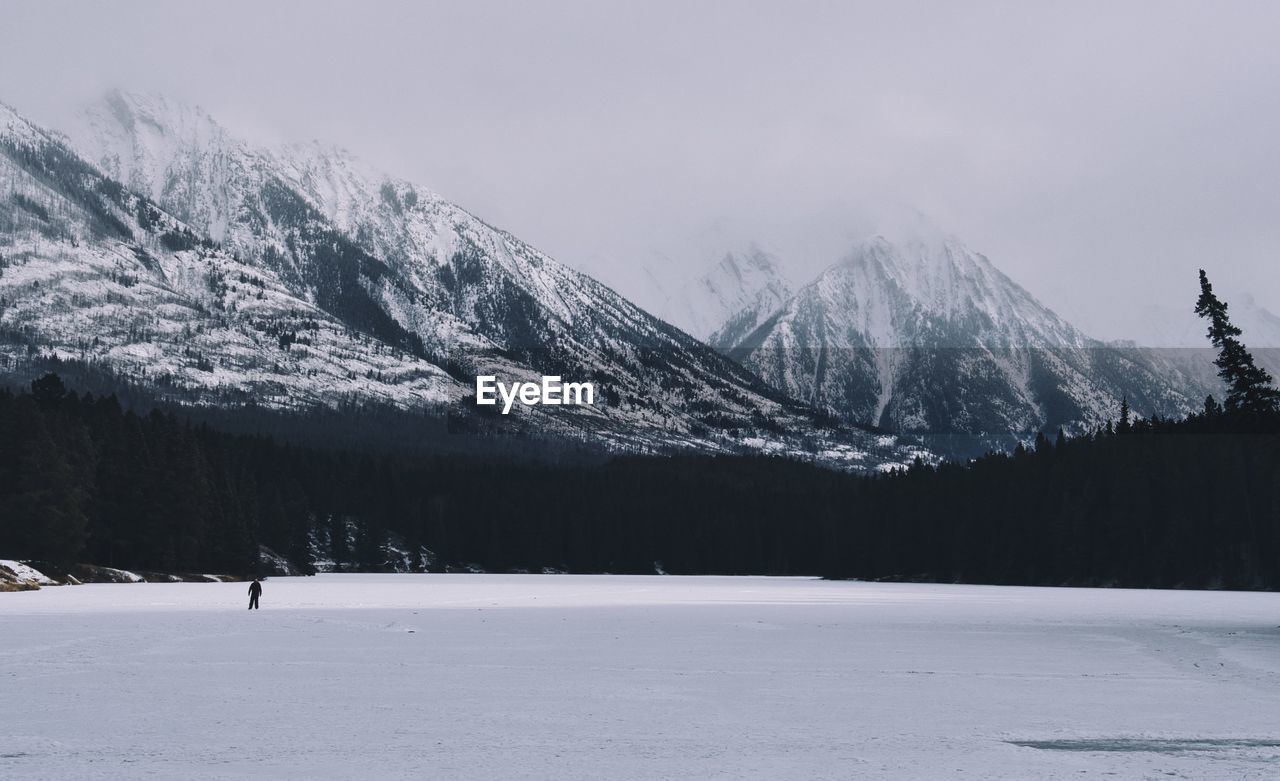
pixel 255 591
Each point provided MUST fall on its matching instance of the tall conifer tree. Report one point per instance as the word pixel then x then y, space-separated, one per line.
pixel 1249 387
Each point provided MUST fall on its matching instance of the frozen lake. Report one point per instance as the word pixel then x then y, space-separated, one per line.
pixel 602 677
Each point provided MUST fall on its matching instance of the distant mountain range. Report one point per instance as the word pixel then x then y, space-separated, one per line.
pixel 154 242
pixel 918 333
pixel 1151 325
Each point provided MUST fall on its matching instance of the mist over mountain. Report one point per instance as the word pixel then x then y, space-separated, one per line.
pixel 1179 333
pixel 730 293
pixel 922 334
pixel 297 275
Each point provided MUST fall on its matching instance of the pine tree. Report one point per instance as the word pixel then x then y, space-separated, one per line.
pixel 48 391
pixel 1212 408
pixel 1249 388
pixel 1126 419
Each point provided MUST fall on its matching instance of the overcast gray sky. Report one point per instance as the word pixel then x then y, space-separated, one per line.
pixel 1097 152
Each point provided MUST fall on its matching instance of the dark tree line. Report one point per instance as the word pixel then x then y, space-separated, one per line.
pixel 1141 502
pixel 1146 503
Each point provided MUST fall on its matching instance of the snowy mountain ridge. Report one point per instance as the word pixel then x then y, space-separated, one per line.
pixel 940 279
pixel 328 282
pixel 705 287
pixel 922 334
pixel 91 271
pixel 740 291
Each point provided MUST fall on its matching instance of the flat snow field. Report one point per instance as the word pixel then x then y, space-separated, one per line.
pixel 603 677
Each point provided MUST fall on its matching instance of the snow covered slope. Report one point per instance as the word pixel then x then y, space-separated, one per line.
pixel 219 273
pixel 740 293
pixel 717 300
pixel 91 271
pixel 23 573
pixel 922 334
pixel 730 294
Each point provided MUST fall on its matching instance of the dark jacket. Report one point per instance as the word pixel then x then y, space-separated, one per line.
pixel 255 588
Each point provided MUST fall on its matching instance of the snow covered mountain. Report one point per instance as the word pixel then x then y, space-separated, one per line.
pixel 731 297
pixel 924 335
pixel 92 271
pixel 726 296
pixel 737 295
pixel 1179 327
pixel 188 259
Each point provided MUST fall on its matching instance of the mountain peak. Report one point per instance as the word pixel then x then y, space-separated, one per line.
pixel 155 114
pixel 923 334
pixel 937 276
pixel 326 281
pixel 737 288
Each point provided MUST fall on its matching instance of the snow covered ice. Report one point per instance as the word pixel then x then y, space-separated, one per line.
pixel 590 677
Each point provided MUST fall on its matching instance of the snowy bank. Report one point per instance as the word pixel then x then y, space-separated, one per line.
pixel 21 576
